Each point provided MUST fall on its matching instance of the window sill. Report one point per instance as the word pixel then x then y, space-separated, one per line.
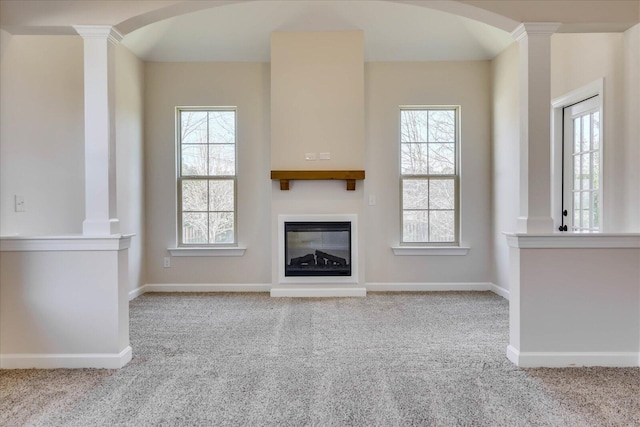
pixel 430 250
pixel 207 251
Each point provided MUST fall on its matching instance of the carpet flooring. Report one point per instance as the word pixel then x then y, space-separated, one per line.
pixel 390 359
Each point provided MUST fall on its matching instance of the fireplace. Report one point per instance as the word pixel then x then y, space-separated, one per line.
pixel 318 248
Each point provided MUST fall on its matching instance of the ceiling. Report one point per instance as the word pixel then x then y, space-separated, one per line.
pixel 392 32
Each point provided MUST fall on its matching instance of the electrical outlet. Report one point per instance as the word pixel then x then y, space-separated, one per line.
pixel 19 203
pixel 310 156
pixel 325 156
pixel 167 262
pixel 372 199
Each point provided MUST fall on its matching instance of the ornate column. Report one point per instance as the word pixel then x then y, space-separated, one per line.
pixel 99 129
pixel 535 126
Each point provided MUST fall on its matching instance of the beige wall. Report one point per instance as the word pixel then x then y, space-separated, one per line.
pixel 632 125
pixel 577 60
pixel 130 158
pixel 317 99
pixel 42 135
pixel 389 85
pixel 505 156
pixel 246 86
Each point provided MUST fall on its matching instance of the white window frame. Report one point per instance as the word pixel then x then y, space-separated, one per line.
pixel 561 156
pixel 215 249
pixel 435 248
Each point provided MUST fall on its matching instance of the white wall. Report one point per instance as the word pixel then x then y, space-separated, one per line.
pixel 245 85
pixel 577 60
pixel 130 158
pixel 42 135
pixel 387 86
pixel 505 156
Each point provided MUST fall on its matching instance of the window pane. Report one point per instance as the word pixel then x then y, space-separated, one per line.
pixel 576 172
pixel 415 194
pixel 586 133
pixel 442 126
pixel 586 219
pixel 442 226
pixel 441 194
pixel 596 209
pixel 415 226
pixel 413 125
pixel 194 227
pixel 222 159
pixel 576 209
pixel 576 135
pixel 193 125
pixel 222 127
pixel 194 195
pixel 221 227
pixel 595 177
pixel 442 159
pixel 595 123
pixel 413 159
pixel 194 160
pixel 586 202
pixel 221 197
pixel 585 172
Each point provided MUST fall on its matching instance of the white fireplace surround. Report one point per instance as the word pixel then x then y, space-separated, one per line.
pixel 352 218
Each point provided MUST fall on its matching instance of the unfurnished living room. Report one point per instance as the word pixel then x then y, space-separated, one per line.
pixel 340 212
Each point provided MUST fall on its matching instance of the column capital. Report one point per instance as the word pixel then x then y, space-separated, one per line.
pixel 536 29
pixel 99 32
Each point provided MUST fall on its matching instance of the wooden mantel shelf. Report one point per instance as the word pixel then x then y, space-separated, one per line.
pixel 286 176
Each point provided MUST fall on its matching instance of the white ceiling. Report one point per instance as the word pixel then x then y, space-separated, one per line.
pixel 392 31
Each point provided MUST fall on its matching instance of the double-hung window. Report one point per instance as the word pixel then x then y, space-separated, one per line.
pixel 206 176
pixel 429 149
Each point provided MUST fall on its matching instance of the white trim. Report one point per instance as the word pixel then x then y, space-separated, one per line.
pixel 99 32
pixel 114 242
pixel 135 293
pixel 369 287
pixel 574 240
pixel 594 88
pixel 428 287
pixel 572 359
pixel 318 292
pixel 207 287
pixel 535 28
pixel 208 251
pixel 504 293
pixel 68 361
pixel 430 250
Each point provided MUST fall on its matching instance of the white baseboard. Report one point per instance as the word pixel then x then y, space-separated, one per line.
pixel 207 287
pixel 70 361
pixel 428 287
pixel 504 293
pixel 370 287
pixel 137 292
pixel 572 359
pixel 315 292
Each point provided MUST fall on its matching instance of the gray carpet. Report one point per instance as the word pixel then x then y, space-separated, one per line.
pixel 387 359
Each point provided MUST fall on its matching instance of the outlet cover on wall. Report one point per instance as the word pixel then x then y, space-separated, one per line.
pixel 19 203
pixel 325 156
pixel 310 156
pixel 166 262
